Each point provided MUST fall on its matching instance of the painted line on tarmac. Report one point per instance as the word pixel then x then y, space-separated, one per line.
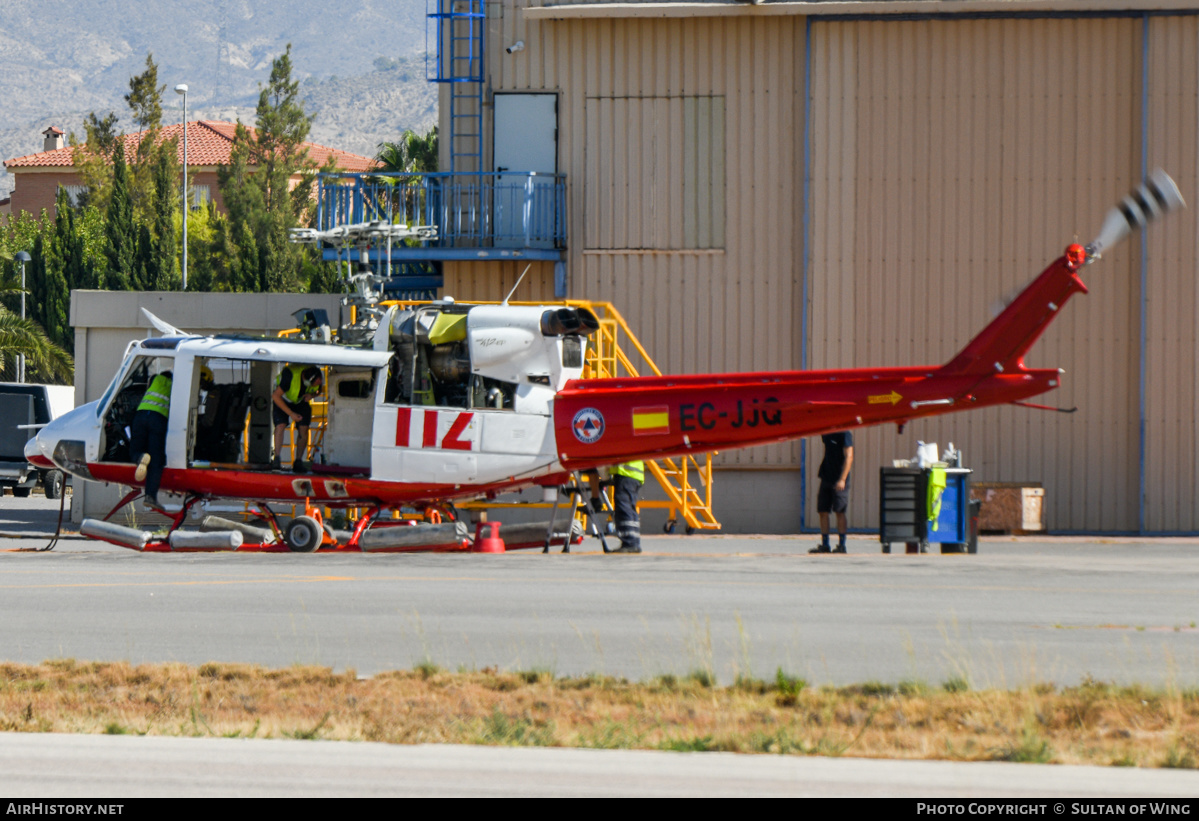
pixel 798 583
pixel 73 585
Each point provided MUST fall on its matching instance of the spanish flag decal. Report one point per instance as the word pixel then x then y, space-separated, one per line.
pixel 651 420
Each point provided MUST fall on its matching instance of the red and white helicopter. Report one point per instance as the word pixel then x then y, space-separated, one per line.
pixel 450 401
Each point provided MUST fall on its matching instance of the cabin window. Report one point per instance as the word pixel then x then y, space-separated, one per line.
pixel 356 388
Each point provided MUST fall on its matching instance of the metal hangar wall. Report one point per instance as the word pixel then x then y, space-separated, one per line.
pixel 786 185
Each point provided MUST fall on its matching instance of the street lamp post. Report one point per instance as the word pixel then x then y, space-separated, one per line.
pixel 22 258
pixel 182 89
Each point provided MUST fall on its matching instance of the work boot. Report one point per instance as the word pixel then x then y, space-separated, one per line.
pixel 139 475
pixel 820 548
pixel 299 466
pixel 840 549
pixel 276 464
pixel 627 549
pixel 152 501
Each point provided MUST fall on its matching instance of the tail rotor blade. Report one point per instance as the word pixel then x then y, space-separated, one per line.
pixel 1156 196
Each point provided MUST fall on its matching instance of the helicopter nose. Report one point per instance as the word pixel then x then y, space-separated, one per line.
pixel 64 443
pixel 34 454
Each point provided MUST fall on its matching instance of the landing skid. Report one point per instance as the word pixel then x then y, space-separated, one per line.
pixel 306 533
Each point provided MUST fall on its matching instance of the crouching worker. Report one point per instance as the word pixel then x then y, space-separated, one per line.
pixel 294 387
pixel 627 480
pixel 148 435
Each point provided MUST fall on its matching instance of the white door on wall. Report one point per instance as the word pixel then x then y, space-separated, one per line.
pixel 526 140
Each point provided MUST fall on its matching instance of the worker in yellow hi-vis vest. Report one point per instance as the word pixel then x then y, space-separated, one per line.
pixel 148 435
pixel 627 480
pixel 295 385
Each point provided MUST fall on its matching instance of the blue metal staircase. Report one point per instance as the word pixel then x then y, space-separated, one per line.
pixel 457 27
pixel 461 201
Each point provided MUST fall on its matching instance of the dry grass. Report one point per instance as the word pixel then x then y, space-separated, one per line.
pixel 1093 723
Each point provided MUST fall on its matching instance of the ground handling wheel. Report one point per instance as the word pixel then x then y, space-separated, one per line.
pixel 303 534
pixel 52 482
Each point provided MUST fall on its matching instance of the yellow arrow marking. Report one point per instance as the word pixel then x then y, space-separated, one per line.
pixel 884 398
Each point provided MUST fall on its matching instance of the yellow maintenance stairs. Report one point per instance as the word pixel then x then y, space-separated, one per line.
pixel 686 480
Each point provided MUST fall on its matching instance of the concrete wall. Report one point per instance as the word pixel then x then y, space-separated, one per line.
pixel 106 322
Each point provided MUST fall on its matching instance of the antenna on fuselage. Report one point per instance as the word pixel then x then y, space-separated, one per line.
pixel 517 285
pixel 164 328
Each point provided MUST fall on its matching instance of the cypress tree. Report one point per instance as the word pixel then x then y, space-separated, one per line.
pixel 45 361
pixel 247 268
pixel 55 297
pixel 48 300
pixel 122 239
pixel 145 104
pixel 265 202
pixel 35 279
pixel 78 270
pixel 163 257
pixel 86 269
pixel 145 274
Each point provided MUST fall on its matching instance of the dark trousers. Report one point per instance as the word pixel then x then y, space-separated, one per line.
pixel 148 434
pixel 624 500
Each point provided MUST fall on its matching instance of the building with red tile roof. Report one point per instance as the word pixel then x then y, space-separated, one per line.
pixel 37 177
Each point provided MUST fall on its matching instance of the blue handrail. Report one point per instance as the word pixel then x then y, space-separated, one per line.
pixel 515 210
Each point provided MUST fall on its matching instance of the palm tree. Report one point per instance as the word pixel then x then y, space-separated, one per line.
pixel 423 151
pixel 393 157
pixel 24 336
pixel 411 154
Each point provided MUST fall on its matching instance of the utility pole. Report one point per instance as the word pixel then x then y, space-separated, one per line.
pixel 182 89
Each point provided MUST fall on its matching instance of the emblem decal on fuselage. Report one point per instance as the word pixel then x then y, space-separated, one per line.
pixel 588 425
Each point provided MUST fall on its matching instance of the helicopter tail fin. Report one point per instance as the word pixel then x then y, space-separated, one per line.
pixel 1001 345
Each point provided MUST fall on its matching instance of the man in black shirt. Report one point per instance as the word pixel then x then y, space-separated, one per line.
pixel 833 496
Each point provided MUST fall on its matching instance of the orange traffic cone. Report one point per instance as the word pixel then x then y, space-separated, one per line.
pixel 487 538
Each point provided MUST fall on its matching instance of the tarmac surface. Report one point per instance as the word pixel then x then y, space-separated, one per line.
pixel 42 766
pixel 1020 611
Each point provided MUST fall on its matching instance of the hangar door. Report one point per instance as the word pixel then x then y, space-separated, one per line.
pixel 526 140
pixel 952 160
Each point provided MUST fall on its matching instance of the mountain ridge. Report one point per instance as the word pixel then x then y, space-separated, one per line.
pixel 362 72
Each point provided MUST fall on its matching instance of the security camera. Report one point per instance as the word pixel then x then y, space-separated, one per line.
pixel 519 45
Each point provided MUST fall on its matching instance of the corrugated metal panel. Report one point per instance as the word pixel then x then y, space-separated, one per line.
pixel 492 280
pixel 953 160
pixel 673 174
pixel 1171 381
pixel 695 310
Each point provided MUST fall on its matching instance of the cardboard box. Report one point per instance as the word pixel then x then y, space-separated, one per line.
pixel 1010 507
